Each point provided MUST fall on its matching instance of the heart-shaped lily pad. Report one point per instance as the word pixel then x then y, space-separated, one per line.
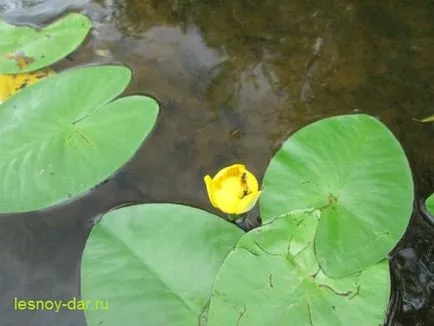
pixel 430 204
pixel 24 49
pixel 353 170
pixel 271 278
pixel 62 135
pixel 154 265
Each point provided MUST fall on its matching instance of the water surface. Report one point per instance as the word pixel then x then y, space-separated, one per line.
pixel 234 80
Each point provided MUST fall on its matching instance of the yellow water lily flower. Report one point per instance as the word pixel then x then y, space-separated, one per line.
pixel 11 84
pixel 233 190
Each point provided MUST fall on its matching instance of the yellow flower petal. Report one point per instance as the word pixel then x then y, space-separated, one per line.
pixel 252 183
pixel 11 84
pixel 233 170
pixel 208 183
pixel 4 87
pixel 226 202
pixel 231 185
pixel 247 203
pixel 234 190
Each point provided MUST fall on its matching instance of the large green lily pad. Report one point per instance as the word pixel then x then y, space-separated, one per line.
pixel 24 49
pixel 430 204
pixel 155 264
pixel 353 170
pixel 272 278
pixel 64 135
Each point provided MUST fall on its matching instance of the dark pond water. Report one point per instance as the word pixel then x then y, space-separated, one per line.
pixel 235 78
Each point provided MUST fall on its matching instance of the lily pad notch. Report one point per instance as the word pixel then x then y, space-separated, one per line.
pixel 353 171
pixel 67 133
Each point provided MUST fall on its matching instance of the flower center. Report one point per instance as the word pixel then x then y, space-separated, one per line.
pixel 231 186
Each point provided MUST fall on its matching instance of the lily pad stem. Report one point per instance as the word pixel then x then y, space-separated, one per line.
pixel 238 219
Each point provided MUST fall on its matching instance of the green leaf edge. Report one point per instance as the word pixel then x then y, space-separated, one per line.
pixel 34 67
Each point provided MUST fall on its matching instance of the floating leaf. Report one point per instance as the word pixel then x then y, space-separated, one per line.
pixel 24 49
pixel 428 119
pixel 271 278
pixel 11 84
pixel 353 170
pixel 430 204
pixel 155 264
pixel 62 136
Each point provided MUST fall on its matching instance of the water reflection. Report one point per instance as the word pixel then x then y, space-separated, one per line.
pixel 235 79
pixel 310 61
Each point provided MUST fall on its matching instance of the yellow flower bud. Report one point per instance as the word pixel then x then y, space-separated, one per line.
pixel 233 190
pixel 11 84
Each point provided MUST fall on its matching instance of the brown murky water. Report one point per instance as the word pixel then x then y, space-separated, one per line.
pixel 235 79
